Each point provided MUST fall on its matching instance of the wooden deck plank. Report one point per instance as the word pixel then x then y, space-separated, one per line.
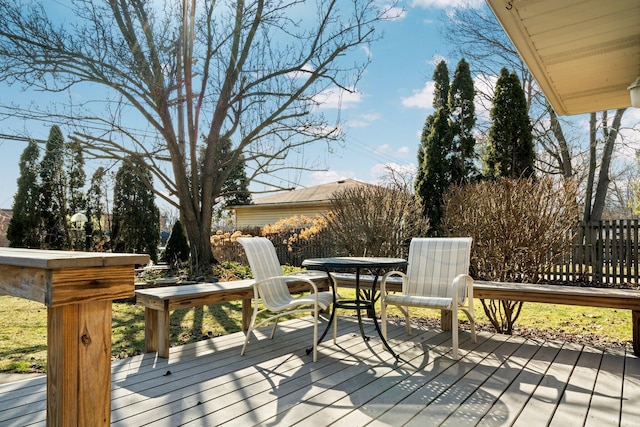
pixel 372 377
pixel 605 406
pixel 223 372
pixel 500 381
pixel 292 391
pixel 274 404
pixel 509 405
pixel 390 386
pixel 459 393
pixel 574 404
pixel 423 395
pixel 630 413
pixel 544 397
pixel 488 394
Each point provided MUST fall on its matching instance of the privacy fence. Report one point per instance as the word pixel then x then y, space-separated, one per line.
pixel 603 252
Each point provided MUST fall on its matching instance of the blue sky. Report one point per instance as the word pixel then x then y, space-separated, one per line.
pixel 383 119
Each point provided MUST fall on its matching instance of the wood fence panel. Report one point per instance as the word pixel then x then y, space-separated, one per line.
pixel 605 251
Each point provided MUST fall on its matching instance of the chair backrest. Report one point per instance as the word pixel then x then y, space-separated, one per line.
pixel 264 264
pixel 434 263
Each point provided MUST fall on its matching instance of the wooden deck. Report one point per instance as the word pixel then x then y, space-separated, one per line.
pixel 500 381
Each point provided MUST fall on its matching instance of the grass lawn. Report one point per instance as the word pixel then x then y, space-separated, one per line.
pixel 23 327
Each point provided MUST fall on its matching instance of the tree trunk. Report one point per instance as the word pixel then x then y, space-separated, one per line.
pixel 610 137
pixel 564 154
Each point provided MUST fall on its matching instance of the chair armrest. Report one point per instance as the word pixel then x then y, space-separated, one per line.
pixel 314 287
pixel 383 282
pixel 464 283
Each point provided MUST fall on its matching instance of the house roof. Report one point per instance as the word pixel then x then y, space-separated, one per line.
pixel 584 54
pixel 315 194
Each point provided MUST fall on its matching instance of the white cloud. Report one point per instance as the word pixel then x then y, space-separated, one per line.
pixel 364 120
pixel 484 86
pixel 437 58
pixel 302 73
pixel 448 4
pixel 324 177
pixel 422 98
pixel 338 98
pixel 393 12
pixel 381 172
pixel 392 151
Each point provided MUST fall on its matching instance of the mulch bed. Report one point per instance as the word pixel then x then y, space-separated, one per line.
pixel 533 333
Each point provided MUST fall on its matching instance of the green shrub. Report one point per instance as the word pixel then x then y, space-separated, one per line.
pixel 177 250
pixel 519 227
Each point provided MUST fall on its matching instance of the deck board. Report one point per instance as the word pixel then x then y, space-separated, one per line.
pixel 498 381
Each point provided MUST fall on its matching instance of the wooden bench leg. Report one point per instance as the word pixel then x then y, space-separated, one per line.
pixel 246 314
pixel 446 320
pixel 156 332
pixel 150 322
pixel 635 318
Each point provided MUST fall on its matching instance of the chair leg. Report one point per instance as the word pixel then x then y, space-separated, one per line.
pixel 248 334
pixel 315 333
pixel 335 326
pixel 275 325
pixel 407 320
pixel 454 332
pixel 383 318
pixel 472 320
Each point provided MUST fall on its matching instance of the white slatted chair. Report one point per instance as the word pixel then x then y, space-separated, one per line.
pixel 437 277
pixel 271 288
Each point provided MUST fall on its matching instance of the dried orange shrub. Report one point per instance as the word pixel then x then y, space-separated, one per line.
pixel 290 231
pixel 225 248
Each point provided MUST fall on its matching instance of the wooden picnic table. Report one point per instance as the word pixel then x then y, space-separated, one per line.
pixel 78 289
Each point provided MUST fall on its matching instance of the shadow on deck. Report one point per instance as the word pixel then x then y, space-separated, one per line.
pixel 498 381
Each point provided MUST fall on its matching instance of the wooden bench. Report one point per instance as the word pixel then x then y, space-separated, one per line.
pixel 160 302
pixel 623 299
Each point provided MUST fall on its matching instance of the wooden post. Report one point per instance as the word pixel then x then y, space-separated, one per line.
pixel 79 364
pixel 78 289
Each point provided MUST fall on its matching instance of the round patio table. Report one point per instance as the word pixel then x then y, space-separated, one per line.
pixel 362 301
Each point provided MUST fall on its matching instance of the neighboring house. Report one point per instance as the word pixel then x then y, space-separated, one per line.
pixel 5 217
pixel 310 202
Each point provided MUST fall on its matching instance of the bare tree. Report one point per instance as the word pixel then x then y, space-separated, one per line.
pixel 477 36
pixel 197 74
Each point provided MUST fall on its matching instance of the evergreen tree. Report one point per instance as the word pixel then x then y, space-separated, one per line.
pixel 462 120
pixel 433 176
pixel 24 227
pixel 75 196
pixel 441 87
pixel 136 218
pixel 53 193
pixel 440 96
pixel 96 209
pixel 177 249
pixel 235 189
pixel 510 152
pixel 76 178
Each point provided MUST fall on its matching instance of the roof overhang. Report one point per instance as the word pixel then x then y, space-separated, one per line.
pixel 584 54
